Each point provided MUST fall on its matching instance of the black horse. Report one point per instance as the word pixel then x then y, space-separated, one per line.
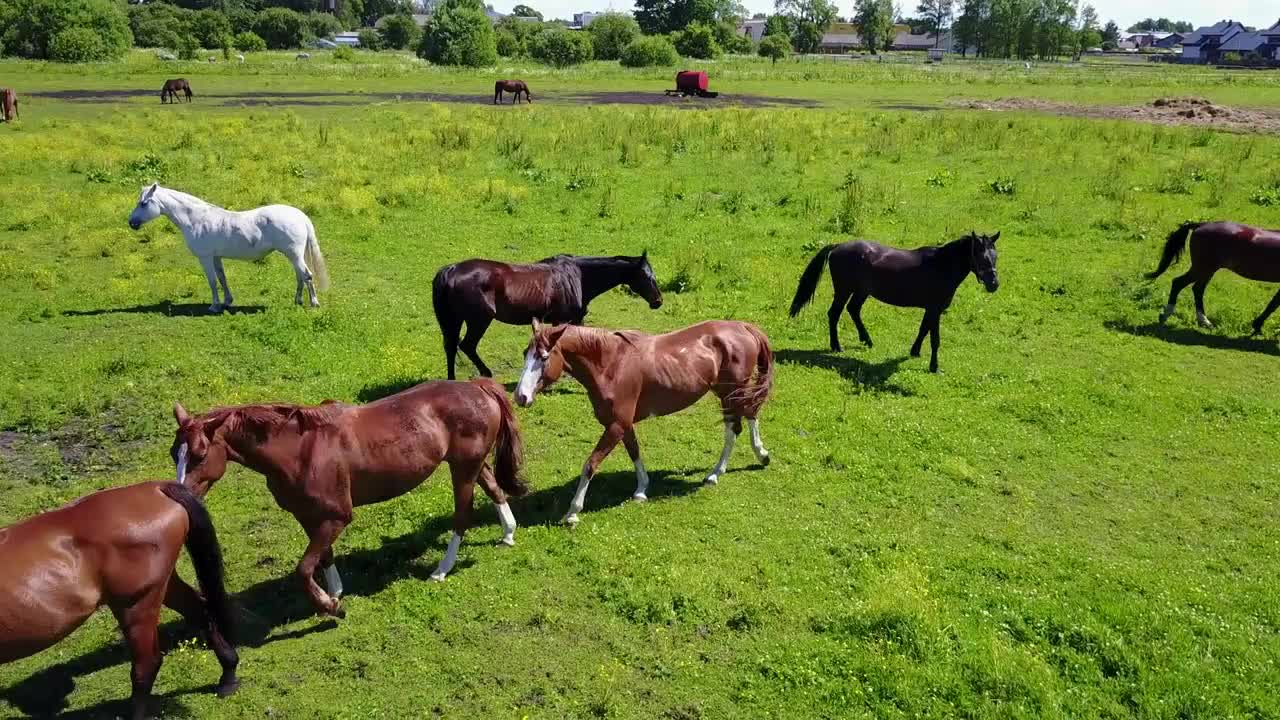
pixel 925 278
pixel 555 290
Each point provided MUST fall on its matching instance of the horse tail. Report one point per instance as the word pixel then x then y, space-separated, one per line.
pixel 450 327
pixel 1173 247
pixel 508 453
pixel 315 260
pixel 809 280
pixel 754 397
pixel 206 557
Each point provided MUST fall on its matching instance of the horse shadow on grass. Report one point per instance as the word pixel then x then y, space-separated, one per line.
pixel 871 376
pixel 279 601
pixel 168 309
pixel 1195 337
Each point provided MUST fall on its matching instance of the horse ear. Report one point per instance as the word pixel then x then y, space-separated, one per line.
pixel 995 237
pixel 180 414
pixel 645 255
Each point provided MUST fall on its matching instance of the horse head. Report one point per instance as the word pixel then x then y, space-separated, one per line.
pixel 982 257
pixel 147 209
pixel 644 283
pixel 543 362
pixel 199 451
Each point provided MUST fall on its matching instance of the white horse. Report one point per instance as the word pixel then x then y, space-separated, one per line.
pixel 213 233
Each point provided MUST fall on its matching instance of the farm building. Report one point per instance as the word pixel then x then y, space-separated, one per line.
pixel 1205 45
pixel 844 38
pixel 753 29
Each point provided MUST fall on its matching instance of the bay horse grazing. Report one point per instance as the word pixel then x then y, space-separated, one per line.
pixel 169 93
pixel 8 105
pixel 511 86
pixel 118 548
pixel 554 290
pixel 1250 252
pixel 322 462
pixel 630 376
pixel 926 278
pixel 213 233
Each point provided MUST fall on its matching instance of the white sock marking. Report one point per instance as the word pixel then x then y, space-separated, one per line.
pixel 450 557
pixel 508 522
pixel 579 498
pixel 642 481
pixel 756 443
pixel 719 469
pixel 333 581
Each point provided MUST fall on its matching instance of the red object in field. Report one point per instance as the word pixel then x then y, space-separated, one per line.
pixel 691 82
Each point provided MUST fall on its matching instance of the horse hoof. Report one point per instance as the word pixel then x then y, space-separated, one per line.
pixel 639 497
pixel 915 353
pixel 711 481
pixel 227 689
pixel 765 460
pixel 338 611
pixel 436 577
pixel 507 542
pixel 215 309
pixel 571 520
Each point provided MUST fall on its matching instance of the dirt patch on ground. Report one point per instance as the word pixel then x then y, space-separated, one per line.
pixel 321 98
pixel 1196 112
pixel 71 451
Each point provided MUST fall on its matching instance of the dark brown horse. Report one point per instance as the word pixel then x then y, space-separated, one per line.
pixel 1249 252
pixel 630 376
pixel 925 278
pixel 117 548
pixel 171 89
pixel 555 290
pixel 322 462
pixel 8 105
pixel 511 86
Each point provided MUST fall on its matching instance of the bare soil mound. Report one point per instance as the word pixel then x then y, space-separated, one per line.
pixel 1165 111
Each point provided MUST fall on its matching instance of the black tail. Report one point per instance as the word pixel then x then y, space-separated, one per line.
pixel 508 451
pixel 206 556
pixel 809 280
pixel 1173 248
pixel 449 325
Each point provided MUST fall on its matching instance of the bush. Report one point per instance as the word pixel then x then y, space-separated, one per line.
pixel 343 53
pixel 209 27
pixel 774 47
pixel 611 33
pixel 507 44
pixel 188 47
pixel 241 19
pixel 697 41
pixel 650 51
pixel 398 32
pixel 561 47
pixel 370 39
pixel 460 33
pixel 157 24
pixel 732 41
pixel 281 28
pixel 77 45
pixel 33 25
pixel 248 42
pixel 323 25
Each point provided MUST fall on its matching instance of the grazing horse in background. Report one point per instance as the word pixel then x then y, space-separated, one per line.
pixel 1249 252
pixel 169 93
pixel 511 86
pixel 555 290
pixel 630 376
pixel 118 548
pixel 8 105
pixel 213 233
pixel 322 462
pixel 925 278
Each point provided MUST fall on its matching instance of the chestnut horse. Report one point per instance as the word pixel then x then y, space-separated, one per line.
pixel 118 548
pixel 926 278
pixel 1249 252
pixel 8 105
pixel 511 86
pixel 322 462
pixel 173 87
pixel 630 376
pixel 556 290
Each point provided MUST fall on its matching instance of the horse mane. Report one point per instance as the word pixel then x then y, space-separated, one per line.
pixel 933 251
pixel 266 419
pixel 190 198
pixel 596 340
pixel 591 260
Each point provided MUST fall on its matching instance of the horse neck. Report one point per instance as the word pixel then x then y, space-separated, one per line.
pixel 586 353
pixel 956 259
pixel 266 457
pixel 600 275
pixel 183 209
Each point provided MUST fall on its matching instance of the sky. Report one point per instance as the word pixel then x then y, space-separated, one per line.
pixel 1259 13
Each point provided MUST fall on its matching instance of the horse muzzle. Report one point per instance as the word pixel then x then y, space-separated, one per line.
pixel 134 224
pixel 992 286
pixel 655 304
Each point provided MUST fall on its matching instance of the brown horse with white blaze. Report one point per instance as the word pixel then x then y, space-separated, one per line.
pixel 118 548
pixel 1249 252
pixel 630 376
pixel 322 462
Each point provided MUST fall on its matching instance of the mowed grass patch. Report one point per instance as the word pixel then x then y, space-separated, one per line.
pixel 1073 519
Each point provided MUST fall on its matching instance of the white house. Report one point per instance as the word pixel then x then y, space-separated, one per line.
pixel 753 29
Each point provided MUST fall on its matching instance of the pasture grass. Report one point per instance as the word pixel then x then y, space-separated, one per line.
pixel 1074 519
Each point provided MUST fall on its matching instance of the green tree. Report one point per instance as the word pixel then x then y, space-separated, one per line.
pixel 156 25
pixel 808 21
pixel 398 32
pixel 370 39
pixel 525 11
pixel 188 47
pixel 1111 33
pixel 209 27
pixel 874 19
pixel 659 17
pixel 936 16
pixel 730 40
pixel 33 24
pixel 774 47
pixel 77 45
pixel 248 42
pixel 778 25
pixel 650 51
pixel 459 33
pixel 507 44
pixel 611 33
pixel 697 41
pixel 375 9
pixel 322 25
pixel 561 47
pixel 281 28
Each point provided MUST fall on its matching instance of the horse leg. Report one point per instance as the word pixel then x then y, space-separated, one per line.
pixel 187 602
pixel 605 445
pixel 732 427
pixel 833 317
pixel 450 329
pixel 924 330
pixel 222 278
pixel 855 312
pixel 476 330
pixel 508 521
pixel 322 536
pixel 642 476
pixel 1198 288
pixel 757 445
pixel 934 341
pixel 138 623
pixel 464 488
pixel 1271 307
pixel 1179 283
pixel 210 274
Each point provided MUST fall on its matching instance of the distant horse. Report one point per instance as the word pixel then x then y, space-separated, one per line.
pixel 555 290
pixel 169 93
pixel 511 86
pixel 118 548
pixel 630 376
pixel 1249 252
pixel 322 462
pixel 213 233
pixel 8 105
pixel 925 278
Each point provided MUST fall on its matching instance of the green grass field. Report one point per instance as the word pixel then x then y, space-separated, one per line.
pixel 1076 518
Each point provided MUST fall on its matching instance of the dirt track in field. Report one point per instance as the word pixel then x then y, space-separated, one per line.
pixel 1194 112
pixel 321 98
